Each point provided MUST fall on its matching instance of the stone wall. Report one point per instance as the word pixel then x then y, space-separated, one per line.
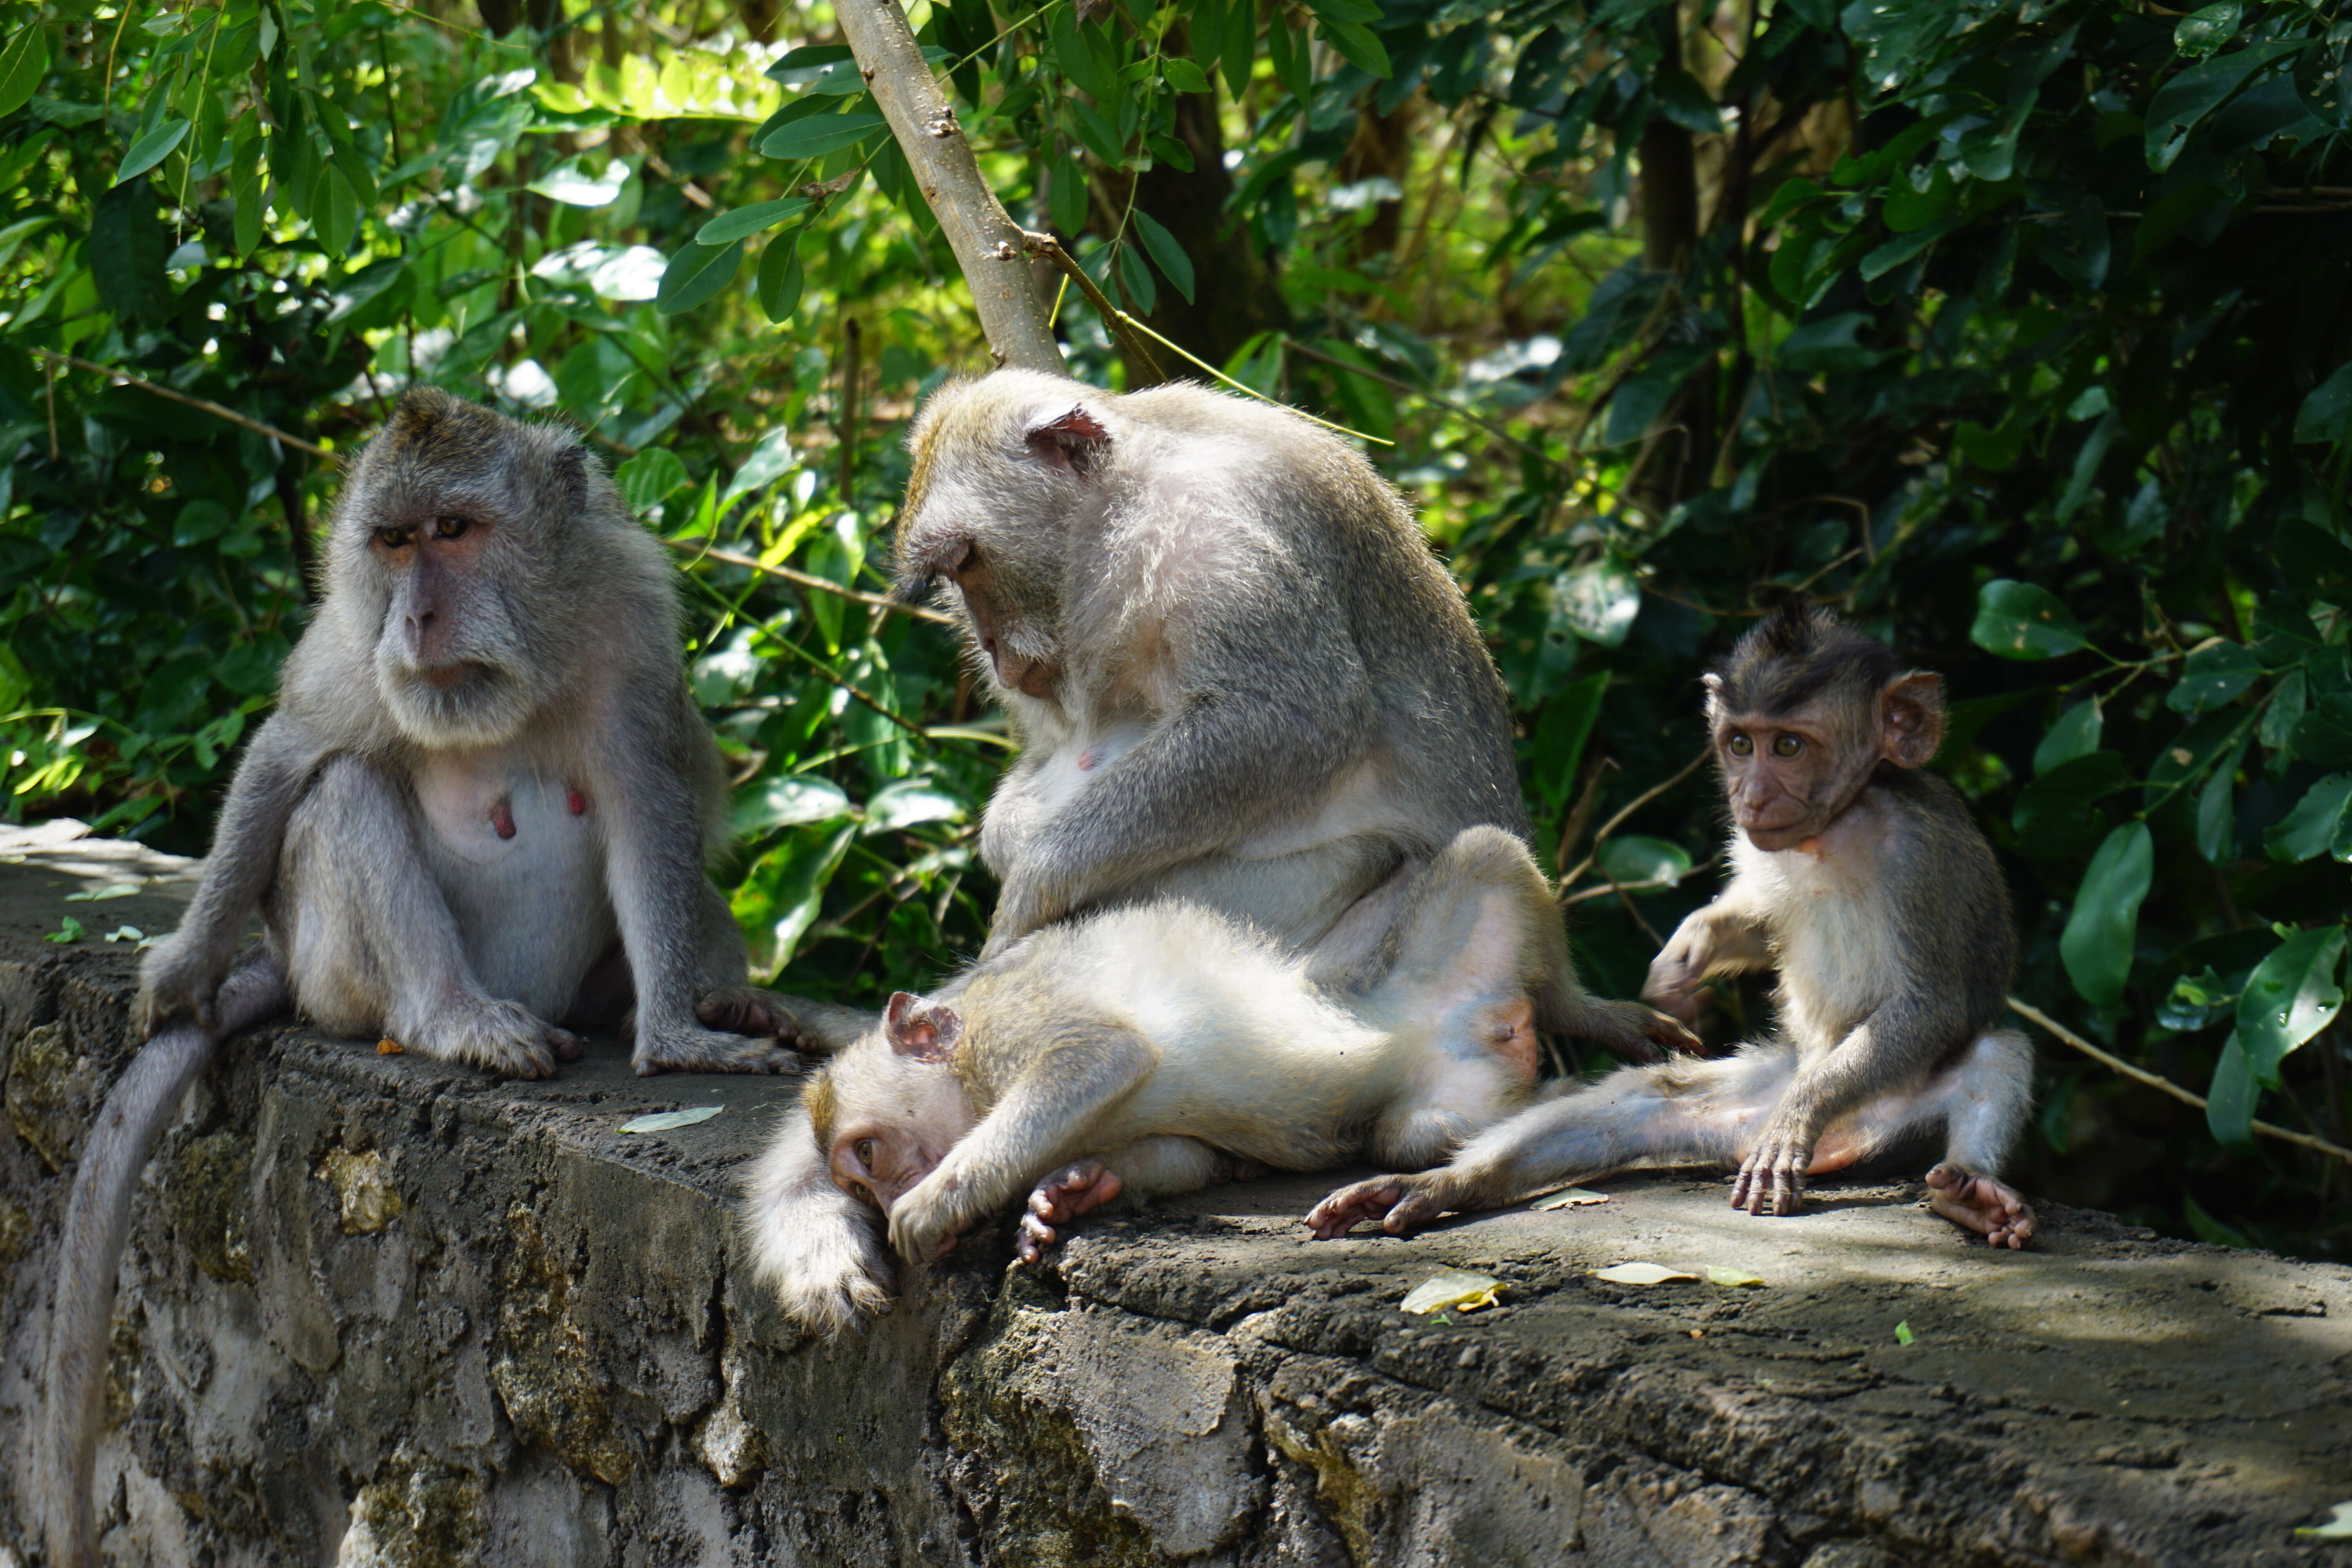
pixel 379 1311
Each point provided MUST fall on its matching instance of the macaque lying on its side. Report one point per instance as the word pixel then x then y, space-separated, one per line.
pixel 1161 1047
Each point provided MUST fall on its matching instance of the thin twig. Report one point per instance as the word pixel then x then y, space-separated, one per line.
pixel 1636 804
pixel 2165 1085
pixel 878 601
pixel 125 378
pixel 1130 340
pixel 1426 396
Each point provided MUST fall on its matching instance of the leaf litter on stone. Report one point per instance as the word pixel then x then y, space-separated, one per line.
pixel 1573 1197
pixel 1738 1278
pixel 1453 1290
pixel 2337 1528
pixel 1903 1334
pixel 1641 1274
pixel 663 1122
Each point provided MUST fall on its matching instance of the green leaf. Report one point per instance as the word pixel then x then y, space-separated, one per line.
pixel 771 458
pixel 2230 1101
pixel 2321 821
pixel 69 930
pixel 1077 60
pixel 1557 746
pixel 1359 47
pixel 2096 945
pixel 335 212
pixel 741 222
pixel 2055 813
pixel 2076 734
pixel 2200 33
pixel 251 206
pixel 1183 75
pixel 1599 600
pixel 694 274
pixel 1174 263
pixel 779 278
pixel 1101 137
pixel 1066 199
pixel 2213 675
pixel 648 478
pixel 22 65
pixel 787 802
pixel 821 133
pixel 1238 53
pixel 1135 280
pixel 573 186
pixel 1633 861
pixel 910 803
pixel 2182 103
pixel 2017 620
pixel 151 149
pixel 2327 413
pixel 2217 813
pixel 2292 997
pixel 780 899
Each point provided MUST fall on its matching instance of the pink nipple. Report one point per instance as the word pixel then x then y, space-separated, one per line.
pixel 502 818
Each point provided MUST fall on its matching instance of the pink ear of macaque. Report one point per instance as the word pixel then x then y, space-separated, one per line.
pixel 1071 439
pixel 924 1030
pixel 1911 719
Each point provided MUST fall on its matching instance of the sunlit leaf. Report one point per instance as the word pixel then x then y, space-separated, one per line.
pixel 2292 997
pixel 663 1122
pixel 776 802
pixel 1641 1274
pixel 910 803
pixel 22 65
pixel 1636 860
pixel 1570 1198
pixel 1736 1279
pixel 1454 1290
pixel 1600 600
pixel 648 478
pixel 151 149
pixel 2337 1528
pixel 569 183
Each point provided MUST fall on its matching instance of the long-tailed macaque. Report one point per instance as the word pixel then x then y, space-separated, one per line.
pixel 1157 1046
pixel 1238 677
pixel 479 816
pixel 1866 884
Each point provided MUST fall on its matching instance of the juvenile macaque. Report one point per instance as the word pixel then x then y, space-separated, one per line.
pixel 1239 678
pixel 477 820
pixel 1867 885
pixel 1157 1046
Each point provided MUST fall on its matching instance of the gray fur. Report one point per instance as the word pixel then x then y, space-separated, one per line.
pixel 498 640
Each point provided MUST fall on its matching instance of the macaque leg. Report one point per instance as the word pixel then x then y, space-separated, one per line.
pixel 817 1247
pixel 369 945
pixel 1681 1112
pixel 1147 1168
pixel 1988 1093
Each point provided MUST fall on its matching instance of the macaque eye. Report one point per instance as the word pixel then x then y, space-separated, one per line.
pixel 450 527
pixel 864 1150
pixel 394 538
pixel 1742 745
pixel 1787 746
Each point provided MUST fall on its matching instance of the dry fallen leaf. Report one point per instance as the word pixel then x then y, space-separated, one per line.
pixel 2339 1528
pixel 388 1046
pixel 1717 1274
pixel 1573 1197
pixel 1639 1274
pixel 1453 1290
pixel 662 1121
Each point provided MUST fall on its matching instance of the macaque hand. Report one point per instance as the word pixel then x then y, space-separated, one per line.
pixel 1076 1188
pixel 1772 1178
pixel 180 979
pixel 1676 973
pixel 685 1048
pixel 1992 1209
pixel 1399 1203
pixel 928 1220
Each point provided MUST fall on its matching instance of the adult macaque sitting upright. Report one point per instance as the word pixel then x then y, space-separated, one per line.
pixel 1239 678
pixel 1867 885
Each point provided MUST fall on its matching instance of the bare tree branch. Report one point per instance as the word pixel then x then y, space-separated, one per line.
pixel 987 241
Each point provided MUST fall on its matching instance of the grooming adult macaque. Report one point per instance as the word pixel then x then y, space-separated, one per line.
pixel 1867 885
pixel 1158 1045
pixel 476 819
pixel 1238 677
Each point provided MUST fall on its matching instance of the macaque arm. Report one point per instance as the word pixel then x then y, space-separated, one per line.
pixel 1050 1112
pixel 1252 738
pixel 181 976
pixel 818 1248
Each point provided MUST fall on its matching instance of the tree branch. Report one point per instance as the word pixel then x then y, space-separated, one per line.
pixel 986 240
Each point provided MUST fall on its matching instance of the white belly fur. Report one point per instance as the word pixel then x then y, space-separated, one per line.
pixel 532 910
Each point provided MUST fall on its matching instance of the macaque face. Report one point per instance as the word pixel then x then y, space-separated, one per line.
pixel 899 1105
pixel 1022 655
pixel 1780 774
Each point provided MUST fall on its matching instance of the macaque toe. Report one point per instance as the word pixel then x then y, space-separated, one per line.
pixel 1398 1203
pixel 703 1050
pixel 748 1010
pixel 1993 1209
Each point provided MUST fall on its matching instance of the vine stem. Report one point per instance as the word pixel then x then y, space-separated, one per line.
pixel 700 549
pixel 2165 1085
pixel 124 378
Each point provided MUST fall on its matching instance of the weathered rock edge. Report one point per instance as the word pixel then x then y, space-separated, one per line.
pixel 379 1311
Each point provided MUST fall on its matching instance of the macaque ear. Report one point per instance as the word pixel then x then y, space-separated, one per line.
pixel 1714 684
pixel 924 1030
pixel 1073 439
pixel 1911 719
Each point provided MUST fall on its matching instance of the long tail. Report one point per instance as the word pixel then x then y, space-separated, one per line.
pixel 91 1250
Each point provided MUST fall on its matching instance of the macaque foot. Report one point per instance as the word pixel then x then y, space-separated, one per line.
pixel 1992 1209
pixel 505 1038
pixel 1772 1178
pixel 1637 1033
pixel 703 1050
pixel 1078 1187
pixel 1399 1203
pixel 748 1010
pixel 179 980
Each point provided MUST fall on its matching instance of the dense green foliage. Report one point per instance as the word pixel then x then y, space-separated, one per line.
pixel 2021 331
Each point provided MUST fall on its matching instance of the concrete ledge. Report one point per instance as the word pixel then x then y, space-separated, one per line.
pixel 376 1312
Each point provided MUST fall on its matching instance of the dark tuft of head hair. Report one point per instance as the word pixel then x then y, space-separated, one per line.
pixel 1799 652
